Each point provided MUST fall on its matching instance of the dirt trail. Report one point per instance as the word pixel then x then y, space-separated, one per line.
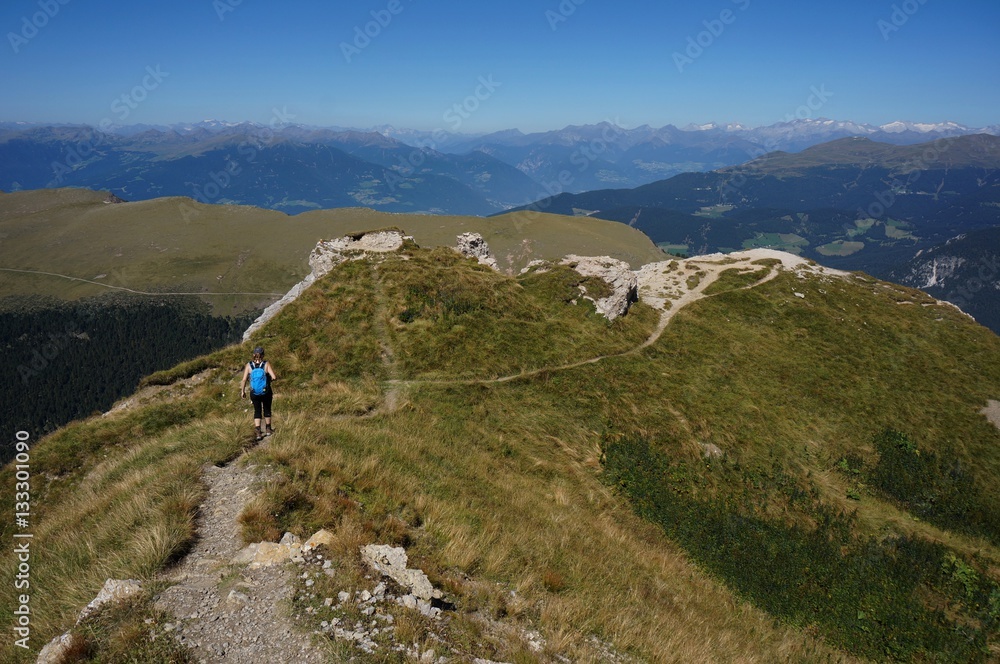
pixel 668 286
pixel 230 613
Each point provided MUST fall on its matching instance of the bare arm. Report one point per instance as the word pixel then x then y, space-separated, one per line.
pixel 270 372
pixel 243 383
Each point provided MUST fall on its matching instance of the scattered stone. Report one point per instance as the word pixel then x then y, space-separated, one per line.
pixel 246 555
pixel 319 538
pixel 711 451
pixel 237 599
pixel 55 650
pixel 391 561
pixel 269 554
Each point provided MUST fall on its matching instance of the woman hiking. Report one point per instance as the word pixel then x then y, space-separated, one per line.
pixel 260 376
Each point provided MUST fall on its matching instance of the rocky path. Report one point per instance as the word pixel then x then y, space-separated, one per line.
pixel 230 613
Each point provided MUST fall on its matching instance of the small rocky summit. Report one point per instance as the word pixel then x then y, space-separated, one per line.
pixel 472 245
pixel 111 199
pixel 327 255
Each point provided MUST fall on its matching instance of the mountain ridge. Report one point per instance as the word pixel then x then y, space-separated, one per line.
pixel 413 171
pixel 510 494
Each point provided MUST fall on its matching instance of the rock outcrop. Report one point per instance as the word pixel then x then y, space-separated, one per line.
pixel 114 591
pixel 616 274
pixel 473 245
pixel 327 255
pixel 391 562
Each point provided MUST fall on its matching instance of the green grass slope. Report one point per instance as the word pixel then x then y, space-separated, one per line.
pixel 70 244
pixel 797 469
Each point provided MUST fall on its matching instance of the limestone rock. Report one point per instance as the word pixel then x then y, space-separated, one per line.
pixel 617 274
pixel 54 651
pixel 391 561
pixel 246 555
pixel 269 553
pixel 114 590
pixel 321 537
pixel 473 245
pixel 537 265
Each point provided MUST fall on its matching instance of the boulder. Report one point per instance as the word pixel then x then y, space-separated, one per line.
pixel 473 245
pixel 321 537
pixel 55 650
pixel 114 590
pixel 391 561
pixel 617 274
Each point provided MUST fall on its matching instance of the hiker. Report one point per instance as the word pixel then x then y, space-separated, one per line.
pixel 260 376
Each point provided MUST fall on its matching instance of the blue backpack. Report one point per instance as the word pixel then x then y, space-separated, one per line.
pixel 258 378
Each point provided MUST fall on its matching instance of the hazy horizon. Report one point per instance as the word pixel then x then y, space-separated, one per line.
pixel 478 69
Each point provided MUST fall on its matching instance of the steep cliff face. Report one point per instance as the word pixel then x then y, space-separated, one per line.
pixel 964 271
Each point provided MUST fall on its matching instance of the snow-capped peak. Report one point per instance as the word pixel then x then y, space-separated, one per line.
pixel 922 127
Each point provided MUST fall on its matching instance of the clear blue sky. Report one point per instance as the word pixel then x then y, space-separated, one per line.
pixel 534 64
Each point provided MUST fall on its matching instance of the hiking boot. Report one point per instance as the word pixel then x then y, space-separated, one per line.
pixel 258 435
pixel 269 431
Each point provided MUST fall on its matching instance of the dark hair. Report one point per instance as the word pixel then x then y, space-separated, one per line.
pixel 258 351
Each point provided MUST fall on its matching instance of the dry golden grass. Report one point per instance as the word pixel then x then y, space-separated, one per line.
pixel 494 489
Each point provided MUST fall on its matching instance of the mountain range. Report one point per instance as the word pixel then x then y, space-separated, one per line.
pixel 295 168
pixel 851 203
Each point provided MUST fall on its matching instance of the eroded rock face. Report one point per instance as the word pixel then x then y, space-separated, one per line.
pixel 327 255
pixel 616 274
pixel 472 245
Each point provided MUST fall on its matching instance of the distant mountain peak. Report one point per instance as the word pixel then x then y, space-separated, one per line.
pixel 900 126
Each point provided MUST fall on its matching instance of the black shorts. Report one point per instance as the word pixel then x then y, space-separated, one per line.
pixel 261 402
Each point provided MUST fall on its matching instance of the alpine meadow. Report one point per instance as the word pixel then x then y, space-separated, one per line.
pixel 572 332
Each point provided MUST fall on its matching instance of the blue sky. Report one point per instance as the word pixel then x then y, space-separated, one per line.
pixel 475 67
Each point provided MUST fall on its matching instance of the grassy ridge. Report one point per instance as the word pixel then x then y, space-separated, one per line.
pixel 179 245
pixel 497 488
